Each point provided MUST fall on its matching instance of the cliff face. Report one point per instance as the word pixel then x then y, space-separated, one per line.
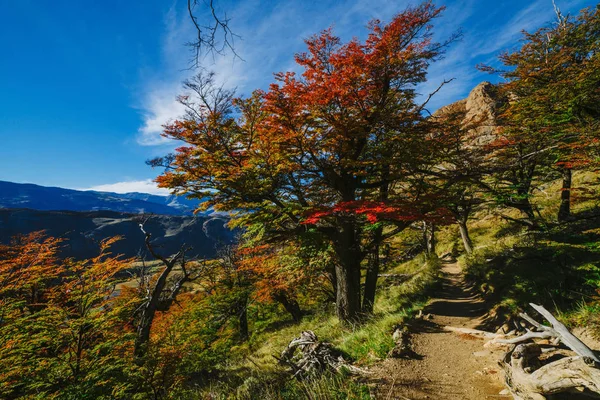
pixel 83 231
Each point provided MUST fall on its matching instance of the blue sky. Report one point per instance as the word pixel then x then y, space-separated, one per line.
pixel 86 85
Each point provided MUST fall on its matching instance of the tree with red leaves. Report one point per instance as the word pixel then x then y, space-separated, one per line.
pixel 341 150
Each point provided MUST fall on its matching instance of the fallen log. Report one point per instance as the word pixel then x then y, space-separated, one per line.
pixel 566 337
pixel 527 336
pixel 475 332
pixel 569 374
pixel 528 378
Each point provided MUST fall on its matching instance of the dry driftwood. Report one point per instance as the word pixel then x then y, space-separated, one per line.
pixel 475 332
pixel 307 356
pixel 529 373
pixel 529 379
pixel 570 340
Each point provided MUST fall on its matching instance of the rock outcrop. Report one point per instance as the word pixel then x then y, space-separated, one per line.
pixel 479 113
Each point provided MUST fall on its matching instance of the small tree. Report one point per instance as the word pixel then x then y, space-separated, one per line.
pixel 74 338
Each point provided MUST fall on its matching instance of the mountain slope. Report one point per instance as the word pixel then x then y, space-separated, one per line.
pixel 25 195
pixel 83 231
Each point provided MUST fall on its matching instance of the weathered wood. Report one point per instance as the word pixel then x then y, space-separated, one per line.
pixel 528 336
pixel 528 379
pixel 567 337
pixel 315 357
pixel 565 375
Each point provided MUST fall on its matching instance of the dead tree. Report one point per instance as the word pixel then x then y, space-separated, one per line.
pixel 155 296
pixel 212 37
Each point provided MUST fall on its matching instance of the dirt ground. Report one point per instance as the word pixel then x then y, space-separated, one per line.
pixel 447 365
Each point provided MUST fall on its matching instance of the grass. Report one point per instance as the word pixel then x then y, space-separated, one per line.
pixel 253 372
pixel 558 267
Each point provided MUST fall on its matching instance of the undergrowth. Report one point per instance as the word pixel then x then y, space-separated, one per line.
pixel 557 266
pixel 253 372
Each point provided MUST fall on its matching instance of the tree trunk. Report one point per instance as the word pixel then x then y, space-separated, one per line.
pixel 149 311
pixel 371 282
pixel 372 275
pixel 348 292
pixel 243 320
pixel 290 305
pixel 429 238
pixel 347 273
pixel 564 212
pixel 464 234
pixel 330 270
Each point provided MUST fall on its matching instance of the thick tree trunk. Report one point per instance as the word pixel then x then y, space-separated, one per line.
pixel 347 273
pixel 464 234
pixel 348 291
pixel 564 212
pixel 290 305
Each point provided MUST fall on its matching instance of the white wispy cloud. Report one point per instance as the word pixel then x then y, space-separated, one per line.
pixel 142 186
pixel 271 32
pixel 159 108
pixel 270 35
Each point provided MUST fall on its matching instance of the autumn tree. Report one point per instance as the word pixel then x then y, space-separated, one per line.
pixel 552 118
pixel 73 339
pixel 27 266
pixel 282 272
pixel 235 285
pixel 319 151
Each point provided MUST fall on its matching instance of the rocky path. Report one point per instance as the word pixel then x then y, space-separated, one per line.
pixel 448 365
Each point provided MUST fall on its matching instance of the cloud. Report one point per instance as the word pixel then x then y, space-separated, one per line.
pixel 271 32
pixel 159 108
pixel 143 186
pixel 270 35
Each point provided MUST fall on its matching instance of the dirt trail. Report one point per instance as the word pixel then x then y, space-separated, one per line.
pixel 448 365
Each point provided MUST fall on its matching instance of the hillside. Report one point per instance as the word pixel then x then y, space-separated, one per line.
pixel 83 231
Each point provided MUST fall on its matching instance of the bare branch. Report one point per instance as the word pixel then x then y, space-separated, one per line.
pixel 214 38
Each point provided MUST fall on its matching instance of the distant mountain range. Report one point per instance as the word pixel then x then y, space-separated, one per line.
pixel 26 195
pixel 84 218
